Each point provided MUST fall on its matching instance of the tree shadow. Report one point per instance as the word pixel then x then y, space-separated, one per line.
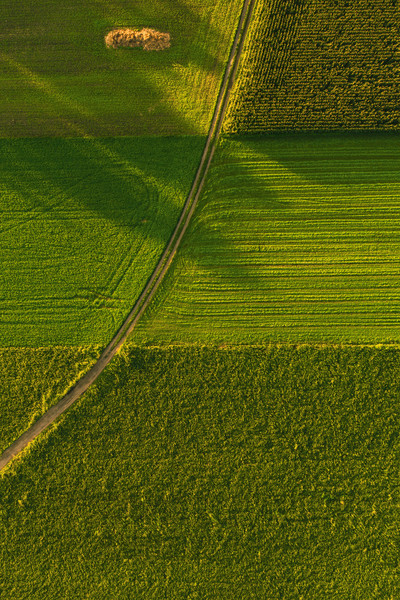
pixel 224 266
pixel 332 158
pixel 109 92
pixel 114 177
pixel 140 188
pixel 208 259
pixel 122 196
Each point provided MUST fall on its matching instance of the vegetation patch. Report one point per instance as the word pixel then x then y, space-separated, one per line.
pixel 296 239
pixel 32 380
pixel 148 39
pixel 236 473
pixel 58 78
pixel 83 225
pixel 320 65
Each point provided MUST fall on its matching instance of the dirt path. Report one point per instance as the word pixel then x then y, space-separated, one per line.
pixel 158 274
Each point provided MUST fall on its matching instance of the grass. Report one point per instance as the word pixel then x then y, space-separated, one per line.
pixel 319 65
pixel 202 473
pixel 83 223
pixel 33 379
pixel 57 78
pixel 296 239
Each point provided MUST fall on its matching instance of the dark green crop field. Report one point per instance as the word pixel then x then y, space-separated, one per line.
pixel 57 78
pixel 205 473
pixel 312 64
pixel 297 239
pixel 83 223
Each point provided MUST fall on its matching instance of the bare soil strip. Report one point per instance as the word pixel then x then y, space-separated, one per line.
pixel 155 280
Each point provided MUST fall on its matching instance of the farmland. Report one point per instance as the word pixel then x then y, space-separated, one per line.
pixel 83 224
pixel 198 472
pixel 32 379
pixel 57 78
pixel 85 217
pixel 297 238
pixel 320 65
pixel 245 442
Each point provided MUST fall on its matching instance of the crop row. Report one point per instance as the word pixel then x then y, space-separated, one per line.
pixel 320 65
pixel 297 239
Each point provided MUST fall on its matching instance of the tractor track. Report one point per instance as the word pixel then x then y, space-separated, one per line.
pixel 165 261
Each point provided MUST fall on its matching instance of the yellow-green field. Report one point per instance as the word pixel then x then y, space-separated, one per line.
pixel 57 78
pixel 205 473
pixel 32 380
pixel 245 443
pixel 297 239
pixel 83 223
pixel 96 156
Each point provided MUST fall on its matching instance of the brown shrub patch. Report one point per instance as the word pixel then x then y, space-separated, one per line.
pixel 148 39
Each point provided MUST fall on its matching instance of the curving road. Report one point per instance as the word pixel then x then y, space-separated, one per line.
pixel 158 274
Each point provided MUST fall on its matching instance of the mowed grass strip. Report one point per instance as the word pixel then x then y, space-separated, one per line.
pixel 58 78
pixel 32 380
pixel 83 224
pixel 238 473
pixel 319 65
pixel 297 238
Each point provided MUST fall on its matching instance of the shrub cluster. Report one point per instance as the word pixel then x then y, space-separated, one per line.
pixel 148 39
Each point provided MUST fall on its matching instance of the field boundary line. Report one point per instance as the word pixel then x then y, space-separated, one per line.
pixel 166 259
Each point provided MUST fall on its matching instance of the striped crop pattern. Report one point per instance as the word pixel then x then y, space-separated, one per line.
pixel 297 239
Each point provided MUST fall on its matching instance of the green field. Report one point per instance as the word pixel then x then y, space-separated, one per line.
pixel 312 64
pixel 33 379
pixel 83 223
pixel 297 239
pixel 245 444
pixel 57 78
pixel 86 207
pixel 204 473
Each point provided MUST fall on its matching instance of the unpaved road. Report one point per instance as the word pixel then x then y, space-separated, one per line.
pixel 158 274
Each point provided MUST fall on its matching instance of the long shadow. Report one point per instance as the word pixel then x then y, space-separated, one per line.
pixel 98 155
pixel 119 178
pixel 151 113
pixel 322 159
pixel 136 187
pixel 332 158
pixel 128 177
pixel 123 74
pixel 202 234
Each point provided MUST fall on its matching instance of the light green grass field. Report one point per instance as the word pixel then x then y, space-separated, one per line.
pixel 57 78
pixel 204 473
pixel 83 223
pixel 297 239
